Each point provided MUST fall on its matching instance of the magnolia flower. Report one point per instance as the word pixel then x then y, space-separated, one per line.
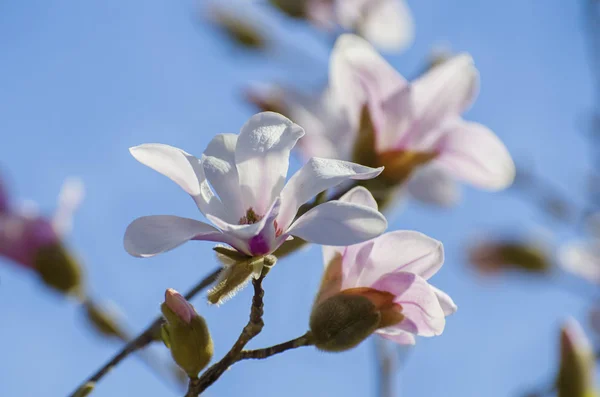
pixel 252 207
pixel 23 231
pixel 386 23
pixel 392 271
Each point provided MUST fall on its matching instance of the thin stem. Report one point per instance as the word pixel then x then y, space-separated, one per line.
pixel 253 327
pixel 145 338
pixel 259 354
pixel 386 367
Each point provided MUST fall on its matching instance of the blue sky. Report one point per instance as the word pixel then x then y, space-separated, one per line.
pixel 83 81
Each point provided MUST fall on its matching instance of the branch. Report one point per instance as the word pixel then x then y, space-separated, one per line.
pixel 143 339
pixel 253 327
pixel 259 354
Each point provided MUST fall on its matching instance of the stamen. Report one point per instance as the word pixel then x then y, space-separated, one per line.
pixel 250 217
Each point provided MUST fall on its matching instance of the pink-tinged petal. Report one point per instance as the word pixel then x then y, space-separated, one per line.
pixel 151 235
pixel 221 172
pixel 316 176
pixel 392 119
pixel 321 12
pixel 447 304
pixel 398 336
pixel 388 24
pixel 355 256
pixel 179 305
pixel 262 157
pixel 420 305
pixel 182 168
pixel 402 251
pixel 473 153
pixel 330 252
pixel 444 91
pixel 338 223
pixel 434 185
pixel 360 195
pixel 357 70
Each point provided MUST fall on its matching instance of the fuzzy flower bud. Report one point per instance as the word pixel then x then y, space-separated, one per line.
pixel 344 320
pixel 186 334
pixel 58 268
pixel 576 374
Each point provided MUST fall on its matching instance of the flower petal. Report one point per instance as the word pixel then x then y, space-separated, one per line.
pixel 581 258
pixel 388 24
pixel 151 235
pixel 473 153
pixel 357 70
pixel 316 176
pixel 397 335
pixel 360 195
pixel 262 157
pixel 401 251
pixel 69 199
pixel 447 304
pixel 338 223
pixel 446 90
pixel 182 168
pixel 221 171
pixel 434 185
pixel 420 306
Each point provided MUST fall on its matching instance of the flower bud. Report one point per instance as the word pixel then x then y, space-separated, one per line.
pixel 58 269
pixel 344 320
pixel 238 30
pixel 293 8
pixel 576 374
pixel 186 334
pixel 494 256
pixel 103 320
pixel 85 390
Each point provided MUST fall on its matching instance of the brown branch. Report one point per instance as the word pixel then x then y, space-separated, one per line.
pixel 145 338
pixel 259 354
pixel 252 328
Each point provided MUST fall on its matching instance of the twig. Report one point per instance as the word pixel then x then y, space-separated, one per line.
pixel 145 338
pixel 386 367
pixel 259 354
pixel 252 328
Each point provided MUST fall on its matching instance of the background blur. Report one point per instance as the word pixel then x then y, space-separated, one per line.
pixel 82 81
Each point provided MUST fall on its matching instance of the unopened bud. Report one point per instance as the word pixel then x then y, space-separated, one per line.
pixel 85 390
pixel 293 8
pixel 344 320
pixel 186 334
pixel 494 256
pixel 576 374
pixel 239 30
pixel 58 269
pixel 103 320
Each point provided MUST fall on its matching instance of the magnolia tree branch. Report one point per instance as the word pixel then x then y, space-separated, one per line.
pixel 145 338
pixel 253 327
pixel 259 354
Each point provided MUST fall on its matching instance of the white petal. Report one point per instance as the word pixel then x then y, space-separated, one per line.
pixel 473 153
pixel 262 157
pixel 398 336
pixel 182 168
pixel 330 252
pixel 360 195
pixel 338 223
pixel 433 185
pixel 402 251
pixel 388 24
pixel 221 171
pixel 152 235
pixel 316 176
pixel 356 69
pixel 69 199
pixel 447 304
pixel 581 258
pixel 446 90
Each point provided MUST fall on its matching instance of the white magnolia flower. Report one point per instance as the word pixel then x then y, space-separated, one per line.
pixel 252 206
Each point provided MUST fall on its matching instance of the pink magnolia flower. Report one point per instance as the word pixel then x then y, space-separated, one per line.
pixel 24 231
pixel 422 117
pixel 388 24
pixel 252 207
pixel 397 263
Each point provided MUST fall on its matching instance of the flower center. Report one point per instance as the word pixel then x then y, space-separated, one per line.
pixel 250 217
